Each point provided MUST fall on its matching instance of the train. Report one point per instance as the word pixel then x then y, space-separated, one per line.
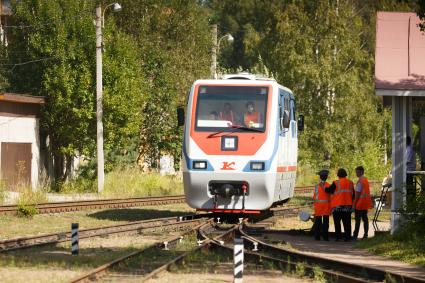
pixel 240 144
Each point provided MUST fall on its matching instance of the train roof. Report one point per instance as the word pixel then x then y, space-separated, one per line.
pixel 243 78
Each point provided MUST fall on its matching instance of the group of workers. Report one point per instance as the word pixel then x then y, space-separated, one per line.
pixel 340 199
pixel 250 116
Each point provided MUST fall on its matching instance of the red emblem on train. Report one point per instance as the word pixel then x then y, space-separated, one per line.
pixel 227 166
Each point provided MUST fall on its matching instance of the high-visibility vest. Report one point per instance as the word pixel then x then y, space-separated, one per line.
pixel 364 202
pixel 250 118
pixel 227 116
pixel 321 200
pixel 343 194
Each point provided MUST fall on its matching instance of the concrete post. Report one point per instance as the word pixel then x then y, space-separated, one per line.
pixel 99 104
pixel 399 121
pixel 214 52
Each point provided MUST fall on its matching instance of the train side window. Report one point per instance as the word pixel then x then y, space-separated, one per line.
pixel 284 108
pixel 292 103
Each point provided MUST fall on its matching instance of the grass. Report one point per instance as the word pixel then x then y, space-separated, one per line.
pixel 14 226
pixel 54 263
pixel 407 245
pixel 127 183
pixel 133 183
pixel 2 192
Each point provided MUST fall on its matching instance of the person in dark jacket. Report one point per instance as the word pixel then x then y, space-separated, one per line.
pixel 341 192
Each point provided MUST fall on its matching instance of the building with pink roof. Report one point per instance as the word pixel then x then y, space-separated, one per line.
pixel 400 81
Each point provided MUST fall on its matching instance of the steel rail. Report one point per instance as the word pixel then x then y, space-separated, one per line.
pixel 203 244
pixel 333 269
pixel 69 206
pixel 103 269
pixel 132 227
pixel 55 207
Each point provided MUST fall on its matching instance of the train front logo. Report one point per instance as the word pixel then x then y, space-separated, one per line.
pixel 228 166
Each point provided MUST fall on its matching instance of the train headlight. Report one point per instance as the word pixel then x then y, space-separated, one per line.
pixel 257 166
pixel 199 165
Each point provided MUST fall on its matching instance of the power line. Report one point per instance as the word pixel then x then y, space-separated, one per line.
pixel 28 62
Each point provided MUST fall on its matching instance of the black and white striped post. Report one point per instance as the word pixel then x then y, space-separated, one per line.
pixel 238 260
pixel 74 239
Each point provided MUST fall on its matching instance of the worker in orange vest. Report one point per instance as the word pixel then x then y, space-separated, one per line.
pixel 362 202
pixel 322 207
pixel 341 204
pixel 250 116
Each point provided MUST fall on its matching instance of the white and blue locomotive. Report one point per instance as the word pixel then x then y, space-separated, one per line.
pixel 240 144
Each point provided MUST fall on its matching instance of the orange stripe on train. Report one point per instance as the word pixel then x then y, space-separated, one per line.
pixel 281 169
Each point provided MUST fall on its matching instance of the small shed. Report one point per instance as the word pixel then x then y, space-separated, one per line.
pixel 19 139
pixel 400 81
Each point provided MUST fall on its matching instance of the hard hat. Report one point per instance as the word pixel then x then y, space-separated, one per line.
pixel 304 216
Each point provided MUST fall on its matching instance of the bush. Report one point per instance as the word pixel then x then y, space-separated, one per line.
pixel 30 197
pixel 27 210
pixel 79 185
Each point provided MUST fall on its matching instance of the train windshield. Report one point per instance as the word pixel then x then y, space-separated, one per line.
pixel 231 108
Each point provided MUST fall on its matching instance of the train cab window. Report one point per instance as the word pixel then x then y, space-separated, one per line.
pixel 231 108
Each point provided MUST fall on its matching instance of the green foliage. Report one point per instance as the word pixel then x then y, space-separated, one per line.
pixel 329 66
pixel 154 50
pixel 29 198
pixel 319 276
pixel 300 269
pixel 62 34
pixel 133 183
pixel 405 245
pixel 174 39
pixel 26 210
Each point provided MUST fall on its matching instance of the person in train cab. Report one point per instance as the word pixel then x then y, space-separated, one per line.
pixel 341 192
pixel 227 114
pixel 362 202
pixel 322 207
pixel 213 115
pixel 251 116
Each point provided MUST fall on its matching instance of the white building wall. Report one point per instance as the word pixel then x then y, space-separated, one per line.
pixel 23 130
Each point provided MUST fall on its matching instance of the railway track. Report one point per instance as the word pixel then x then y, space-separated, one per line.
pixel 158 224
pixel 70 206
pixel 209 235
pixel 106 272
pixel 136 226
pixel 55 207
pixel 332 270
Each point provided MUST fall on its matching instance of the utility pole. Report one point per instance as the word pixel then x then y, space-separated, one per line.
pixel 214 52
pixel 99 105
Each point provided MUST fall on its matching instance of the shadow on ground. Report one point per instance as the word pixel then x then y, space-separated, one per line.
pixel 50 257
pixel 125 214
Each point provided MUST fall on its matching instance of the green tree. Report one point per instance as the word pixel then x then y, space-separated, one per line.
pixel 174 39
pixel 56 48
pixel 319 50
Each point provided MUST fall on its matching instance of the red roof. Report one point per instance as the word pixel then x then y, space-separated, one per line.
pixel 400 52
